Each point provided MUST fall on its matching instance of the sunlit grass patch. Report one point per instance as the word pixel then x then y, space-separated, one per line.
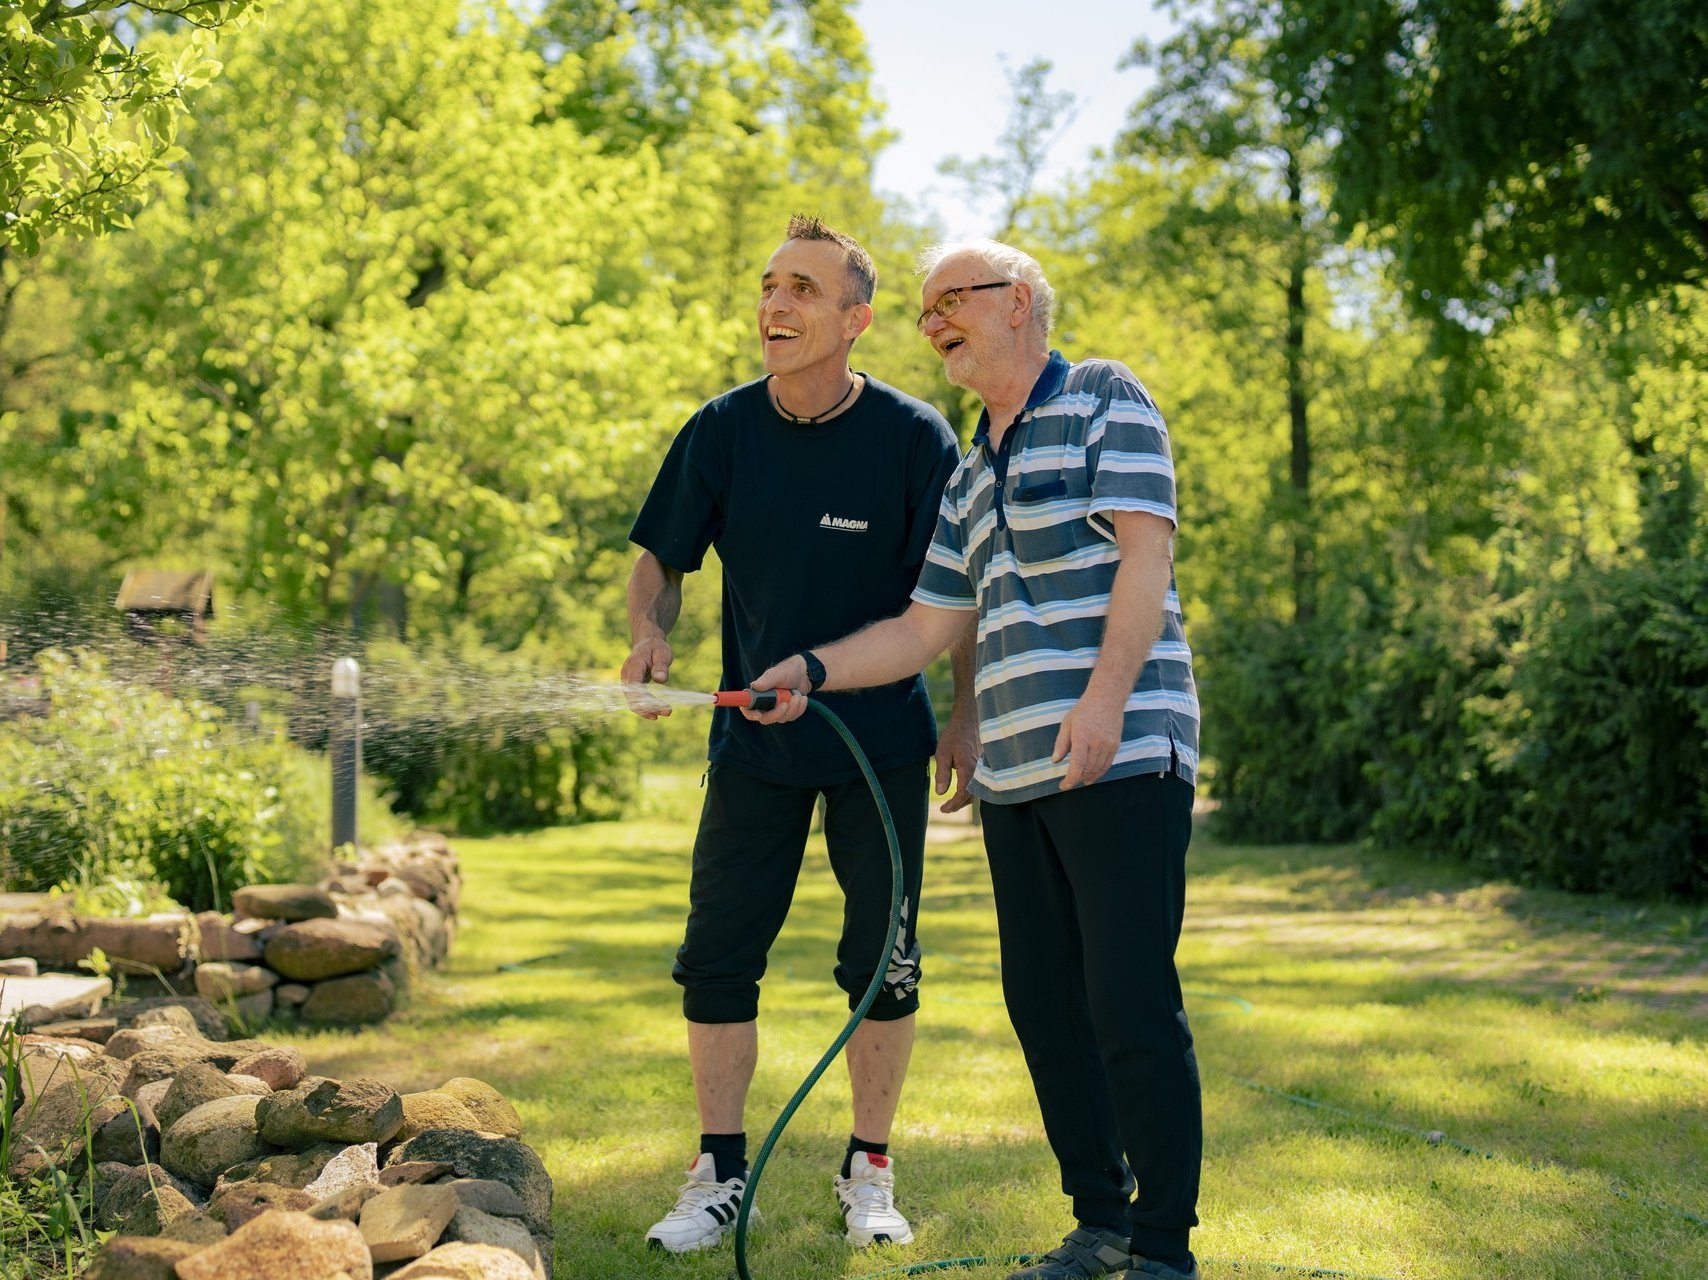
pixel 1586 1119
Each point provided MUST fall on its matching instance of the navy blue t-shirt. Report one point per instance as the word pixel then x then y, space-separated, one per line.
pixel 821 531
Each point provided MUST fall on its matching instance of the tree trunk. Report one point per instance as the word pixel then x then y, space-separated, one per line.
pixel 1299 471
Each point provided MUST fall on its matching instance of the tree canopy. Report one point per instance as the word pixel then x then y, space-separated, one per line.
pixel 93 102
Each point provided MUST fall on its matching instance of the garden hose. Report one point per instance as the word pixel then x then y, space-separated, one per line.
pixel 760 701
pixel 765 700
pixel 872 988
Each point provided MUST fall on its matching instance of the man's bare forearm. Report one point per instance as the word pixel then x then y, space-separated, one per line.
pixel 891 650
pixel 655 598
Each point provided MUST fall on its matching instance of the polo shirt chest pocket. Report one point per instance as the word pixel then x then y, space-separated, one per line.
pixel 1045 510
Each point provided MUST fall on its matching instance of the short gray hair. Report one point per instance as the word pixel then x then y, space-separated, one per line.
pixel 1006 261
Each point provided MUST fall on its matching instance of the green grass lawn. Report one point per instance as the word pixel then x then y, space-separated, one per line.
pixel 1560 1039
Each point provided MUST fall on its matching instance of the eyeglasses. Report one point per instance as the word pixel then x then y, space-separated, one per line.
pixel 951 301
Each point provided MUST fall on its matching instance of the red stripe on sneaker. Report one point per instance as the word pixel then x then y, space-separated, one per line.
pixel 877 1161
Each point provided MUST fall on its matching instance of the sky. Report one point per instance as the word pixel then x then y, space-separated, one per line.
pixel 941 67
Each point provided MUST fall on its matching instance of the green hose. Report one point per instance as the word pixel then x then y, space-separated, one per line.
pixel 866 1000
pixel 854 1019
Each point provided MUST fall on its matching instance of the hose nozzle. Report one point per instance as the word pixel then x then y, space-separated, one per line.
pixel 752 699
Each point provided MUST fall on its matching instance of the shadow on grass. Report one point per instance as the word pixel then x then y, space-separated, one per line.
pixel 1591 1105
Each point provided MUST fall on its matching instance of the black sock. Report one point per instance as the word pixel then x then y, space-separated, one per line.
pixel 729 1153
pixel 859 1144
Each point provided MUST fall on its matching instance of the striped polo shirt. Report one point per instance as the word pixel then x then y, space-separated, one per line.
pixel 1024 537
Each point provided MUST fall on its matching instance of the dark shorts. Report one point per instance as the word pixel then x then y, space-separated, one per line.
pixel 747 857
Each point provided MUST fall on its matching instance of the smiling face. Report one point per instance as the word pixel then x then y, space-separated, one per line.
pixel 977 339
pixel 806 323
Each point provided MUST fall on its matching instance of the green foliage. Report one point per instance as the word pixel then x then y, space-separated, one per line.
pixel 47 1222
pixel 1512 148
pixel 118 784
pixel 480 740
pixel 93 106
pixel 1612 767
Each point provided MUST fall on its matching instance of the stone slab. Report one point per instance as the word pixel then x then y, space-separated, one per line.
pixel 67 993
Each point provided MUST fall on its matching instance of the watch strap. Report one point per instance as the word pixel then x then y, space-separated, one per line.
pixel 816 675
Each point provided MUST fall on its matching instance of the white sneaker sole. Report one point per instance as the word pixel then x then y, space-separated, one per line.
pixel 865 1239
pixel 693 1246
pixel 706 1242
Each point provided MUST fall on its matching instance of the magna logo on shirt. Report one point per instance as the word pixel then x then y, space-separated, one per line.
pixel 842 522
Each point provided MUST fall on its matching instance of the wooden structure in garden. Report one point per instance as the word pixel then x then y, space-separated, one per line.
pixel 167 604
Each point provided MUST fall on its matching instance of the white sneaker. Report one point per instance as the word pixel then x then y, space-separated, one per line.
pixel 868 1199
pixel 705 1209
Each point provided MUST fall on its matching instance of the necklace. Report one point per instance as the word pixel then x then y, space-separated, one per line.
pixel 813 421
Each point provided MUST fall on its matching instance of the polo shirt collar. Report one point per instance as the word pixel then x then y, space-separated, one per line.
pixel 1049 382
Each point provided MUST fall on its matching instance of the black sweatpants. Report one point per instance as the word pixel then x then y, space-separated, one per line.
pixel 1090 890
pixel 747 857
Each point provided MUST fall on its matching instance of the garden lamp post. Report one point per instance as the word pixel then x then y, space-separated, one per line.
pixel 345 748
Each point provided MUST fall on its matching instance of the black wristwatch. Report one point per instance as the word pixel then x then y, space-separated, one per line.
pixel 815 670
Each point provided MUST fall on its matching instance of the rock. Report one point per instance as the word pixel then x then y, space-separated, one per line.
pixel 140 1258
pixel 434 1110
pixel 459 1261
pixel 196 1228
pixel 283 1244
pixel 93 1030
pixel 471 1226
pixel 134 1040
pixel 285 1168
pixel 218 980
pixel 52 997
pixel 170 1059
pixel 281 1068
pixel 143 1201
pixel 345 1203
pixel 349 1002
pixel 238 1202
pixel 488 1196
pixel 405 1222
pixel 253 1010
pixel 217 940
pixel 51 1130
pixel 19 967
pixel 397 1175
pixel 147 945
pixel 349 1111
pixel 489 1106
pixel 474 1155
pixel 204 1019
pixel 200 1083
pixel 291 994
pixel 131 1136
pixel 355 1166
pixel 284 902
pixel 204 1143
pixel 42 1067
pixel 318 949
pixel 152 1095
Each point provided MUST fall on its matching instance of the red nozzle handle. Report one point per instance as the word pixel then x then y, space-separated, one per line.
pixel 752 699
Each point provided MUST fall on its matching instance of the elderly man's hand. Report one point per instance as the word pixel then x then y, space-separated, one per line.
pixel 957 754
pixel 1088 739
pixel 648 663
pixel 790 674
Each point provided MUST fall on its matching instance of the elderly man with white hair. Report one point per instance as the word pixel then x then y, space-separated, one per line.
pixel 1057 529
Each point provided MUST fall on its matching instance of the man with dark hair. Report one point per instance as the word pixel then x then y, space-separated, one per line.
pixel 1057 533
pixel 818 487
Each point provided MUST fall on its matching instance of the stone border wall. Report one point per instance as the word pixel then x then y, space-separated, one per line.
pixel 338 953
pixel 211 1158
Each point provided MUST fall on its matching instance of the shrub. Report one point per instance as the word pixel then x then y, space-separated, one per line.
pixel 1612 771
pixel 483 740
pixel 120 783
